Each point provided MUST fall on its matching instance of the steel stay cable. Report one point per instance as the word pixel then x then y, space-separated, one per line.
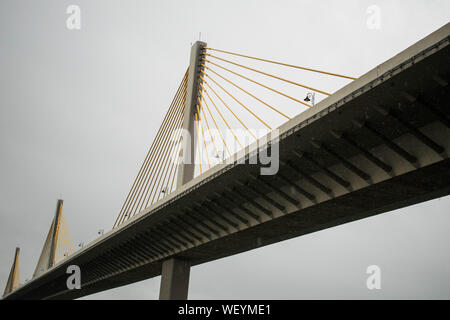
pixel 253 96
pixel 164 173
pixel 207 124
pixel 72 249
pixel 131 203
pixel 217 109
pixel 254 136
pixel 269 75
pixel 68 246
pixel 282 63
pixel 258 83
pixel 198 144
pixel 160 151
pixel 175 172
pixel 171 154
pixel 167 151
pixel 63 238
pixel 246 108
pixel 155 163
pixel 66 243
pixel 154 176
pixel 174 163
pixel 161 133
pixel 162 164
pixel 161 155
pixel 149 156
pixel 177 151
pixel 203 135
pixel 214 120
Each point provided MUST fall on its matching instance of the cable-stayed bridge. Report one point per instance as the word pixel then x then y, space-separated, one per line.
pixel 246 157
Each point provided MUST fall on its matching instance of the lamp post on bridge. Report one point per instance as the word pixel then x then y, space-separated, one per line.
pixel 310 96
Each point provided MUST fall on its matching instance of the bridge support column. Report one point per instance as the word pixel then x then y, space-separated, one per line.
pixel 174 279
pixel 175 272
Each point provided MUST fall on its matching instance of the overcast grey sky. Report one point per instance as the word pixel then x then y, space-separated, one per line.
pixel 79 109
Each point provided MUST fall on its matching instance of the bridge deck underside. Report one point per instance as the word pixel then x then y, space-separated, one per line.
pixel 385 147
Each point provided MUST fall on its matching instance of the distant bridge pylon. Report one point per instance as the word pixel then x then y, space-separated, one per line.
pixel 14 276
pixel 58 244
